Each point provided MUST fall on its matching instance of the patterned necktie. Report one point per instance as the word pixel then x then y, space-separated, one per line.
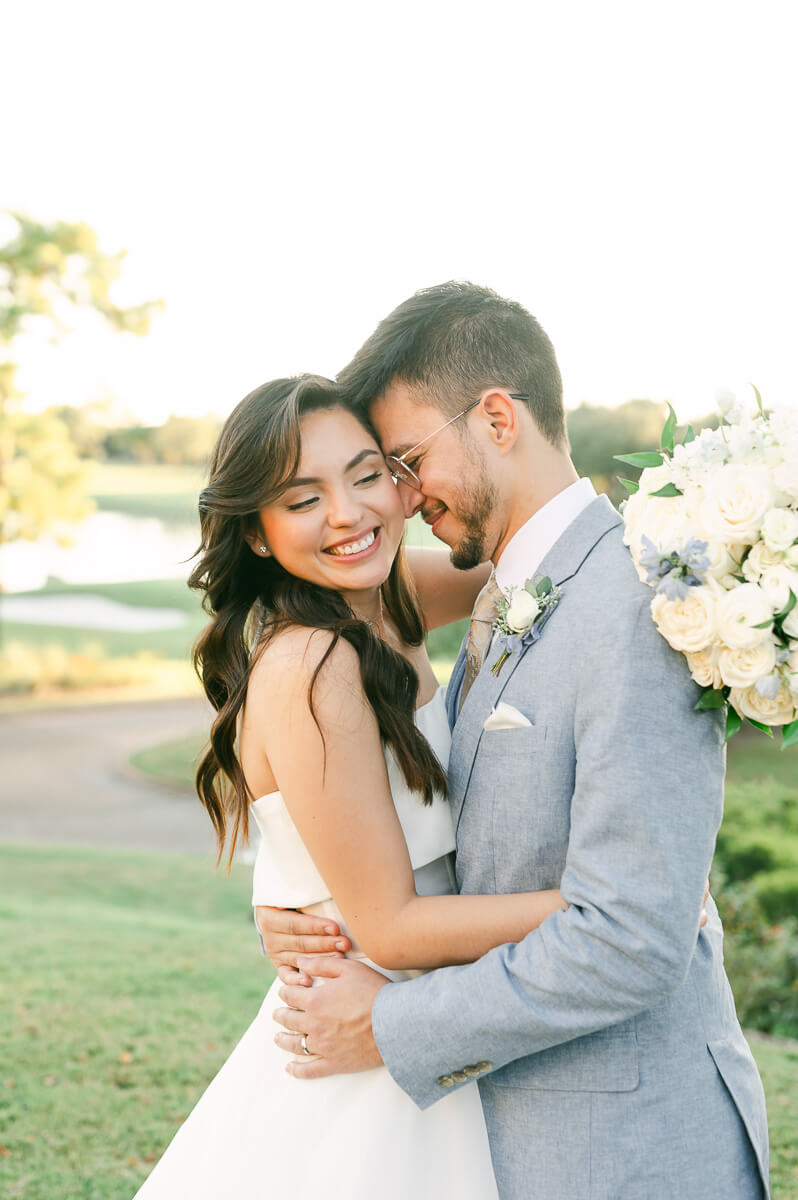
pixel 480 633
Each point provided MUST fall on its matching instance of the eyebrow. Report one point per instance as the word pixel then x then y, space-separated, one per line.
pixel 350 466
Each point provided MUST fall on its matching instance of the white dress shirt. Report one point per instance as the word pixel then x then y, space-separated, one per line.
pixel 529 545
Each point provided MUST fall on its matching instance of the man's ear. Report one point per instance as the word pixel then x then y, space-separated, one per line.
pixel 502 417
pixel 257 545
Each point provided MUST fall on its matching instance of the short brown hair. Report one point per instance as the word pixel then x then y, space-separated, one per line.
pixel 454 340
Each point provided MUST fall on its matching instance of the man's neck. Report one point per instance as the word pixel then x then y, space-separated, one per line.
pixel 541 484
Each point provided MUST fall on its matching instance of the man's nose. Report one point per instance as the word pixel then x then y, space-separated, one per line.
pixel 412 498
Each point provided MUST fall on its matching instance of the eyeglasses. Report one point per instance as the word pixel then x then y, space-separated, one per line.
pixel 399 469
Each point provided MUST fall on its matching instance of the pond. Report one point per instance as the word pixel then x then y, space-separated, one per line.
pixel 88 612
pixel 107 547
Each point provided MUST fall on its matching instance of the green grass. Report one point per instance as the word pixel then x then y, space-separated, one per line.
pixel 126 979
pixel 148 490
pixel 173 763
pixel 778 1064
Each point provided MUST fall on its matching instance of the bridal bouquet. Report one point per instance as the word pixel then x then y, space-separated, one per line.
pixel 712 525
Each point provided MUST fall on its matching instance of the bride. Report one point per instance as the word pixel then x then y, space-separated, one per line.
pixel 330 732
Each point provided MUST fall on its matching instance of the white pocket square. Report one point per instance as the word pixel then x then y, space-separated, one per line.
pixel 504 716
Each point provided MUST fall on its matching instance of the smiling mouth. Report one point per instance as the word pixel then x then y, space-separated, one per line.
pixel 357 546
pixel 430 518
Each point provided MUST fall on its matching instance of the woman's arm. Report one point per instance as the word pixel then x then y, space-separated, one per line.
pixel 446 594
pixel 342 806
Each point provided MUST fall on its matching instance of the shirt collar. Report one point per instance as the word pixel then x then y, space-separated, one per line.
pixel 530 544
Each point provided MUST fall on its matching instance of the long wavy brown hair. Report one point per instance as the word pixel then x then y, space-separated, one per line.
pixel 250 599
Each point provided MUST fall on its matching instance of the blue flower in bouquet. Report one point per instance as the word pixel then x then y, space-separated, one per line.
pixel 675 572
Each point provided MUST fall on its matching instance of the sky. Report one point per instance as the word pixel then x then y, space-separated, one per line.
pixel 283 175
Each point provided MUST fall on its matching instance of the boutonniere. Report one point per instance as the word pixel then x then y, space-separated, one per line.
pixel 522 615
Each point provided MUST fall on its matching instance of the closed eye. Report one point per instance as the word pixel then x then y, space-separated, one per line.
pixel 370 478
pixel 302 504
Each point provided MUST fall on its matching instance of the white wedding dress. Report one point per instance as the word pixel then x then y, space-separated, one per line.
pixel 258 1134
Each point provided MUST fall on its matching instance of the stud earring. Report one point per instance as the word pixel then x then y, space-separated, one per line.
pixel 263 549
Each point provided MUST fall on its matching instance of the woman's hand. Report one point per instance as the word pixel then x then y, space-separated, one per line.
pixel 286 934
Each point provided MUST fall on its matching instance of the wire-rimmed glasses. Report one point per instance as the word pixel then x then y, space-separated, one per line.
pixel 399 469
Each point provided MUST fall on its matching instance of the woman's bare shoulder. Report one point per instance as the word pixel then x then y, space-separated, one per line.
pixel 293 656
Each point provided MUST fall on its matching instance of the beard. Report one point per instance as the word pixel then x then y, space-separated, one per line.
pixel 474 513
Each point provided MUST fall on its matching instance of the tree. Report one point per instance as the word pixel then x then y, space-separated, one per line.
pixel 48 272
pixel 597 434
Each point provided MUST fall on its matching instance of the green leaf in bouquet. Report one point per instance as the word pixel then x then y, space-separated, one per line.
pixel 758 725
pixel 710 698
pixel 644 458
pixel 543 586
pixel 733 722
pixel 764 624
pixel 669 490
pixel 689 436
pixel 668 431
pixel 788 607
pixel 789 735
pixel 629 484
pixel 759 403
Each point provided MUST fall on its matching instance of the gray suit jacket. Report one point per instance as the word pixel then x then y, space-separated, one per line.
pixel 610 1059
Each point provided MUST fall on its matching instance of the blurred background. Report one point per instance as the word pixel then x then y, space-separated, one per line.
pixel 194 201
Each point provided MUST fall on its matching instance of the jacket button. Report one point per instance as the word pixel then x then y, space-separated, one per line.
pixel 459 1076
pixel 473 1070
pixel 446 1081
pixel 484 1066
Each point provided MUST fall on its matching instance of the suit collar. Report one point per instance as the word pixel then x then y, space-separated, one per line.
pixel 575 544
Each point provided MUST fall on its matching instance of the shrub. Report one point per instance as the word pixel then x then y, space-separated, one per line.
pixel 777 893
pixel 761 958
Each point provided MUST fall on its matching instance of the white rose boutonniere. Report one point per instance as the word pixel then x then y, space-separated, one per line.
pixel 522 615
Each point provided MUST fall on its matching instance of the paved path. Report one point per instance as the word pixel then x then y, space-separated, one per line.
pixel 63 778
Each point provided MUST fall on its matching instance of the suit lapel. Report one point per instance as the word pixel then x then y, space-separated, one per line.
pixel 561 563
pixel 454 685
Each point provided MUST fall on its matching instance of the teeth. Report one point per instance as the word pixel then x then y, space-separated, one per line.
pixel 354 547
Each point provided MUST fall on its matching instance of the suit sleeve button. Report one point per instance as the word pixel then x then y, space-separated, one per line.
pixel 459 1076
pixel 473 1070
pixel 484 1066
pixel 446 1081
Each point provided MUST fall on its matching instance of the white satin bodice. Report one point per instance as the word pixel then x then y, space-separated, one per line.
pixel 285 875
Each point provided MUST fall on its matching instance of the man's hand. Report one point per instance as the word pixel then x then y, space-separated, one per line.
pixel 704 917
pixel 335 1018
pixel 286 934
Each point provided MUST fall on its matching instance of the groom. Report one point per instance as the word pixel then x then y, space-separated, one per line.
pixel 609 1057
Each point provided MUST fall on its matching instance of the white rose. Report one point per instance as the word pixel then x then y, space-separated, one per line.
pixel 703 666
pixel 721 562
pixel 759 560
pixel 741 668
pixel 785 476
pixel 777 583
pixel 777 711
pixel 666 521
pixel 739 612
pixel 654 478
pixel 780 529
pixel 736 499
pixel 791 557
pixel 522 611
pixel 687 624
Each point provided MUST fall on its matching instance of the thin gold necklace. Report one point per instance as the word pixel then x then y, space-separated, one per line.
pixel 377 623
